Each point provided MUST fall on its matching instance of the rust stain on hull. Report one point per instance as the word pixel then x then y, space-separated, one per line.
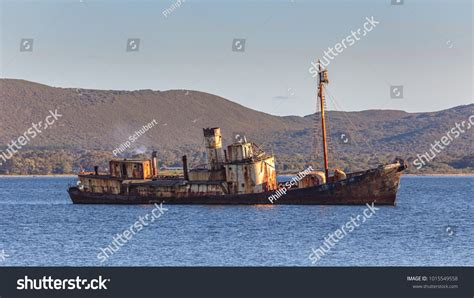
pixel 377 186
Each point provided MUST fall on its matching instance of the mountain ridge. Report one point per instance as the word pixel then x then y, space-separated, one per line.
pixel 101 120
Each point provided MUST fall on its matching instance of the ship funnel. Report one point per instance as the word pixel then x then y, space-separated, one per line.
pixel 154 163
pixel 213 141
pixel 185 167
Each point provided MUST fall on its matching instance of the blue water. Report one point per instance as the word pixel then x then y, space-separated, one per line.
pixel 432 225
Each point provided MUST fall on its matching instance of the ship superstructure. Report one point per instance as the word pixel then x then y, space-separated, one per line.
pixel 240 174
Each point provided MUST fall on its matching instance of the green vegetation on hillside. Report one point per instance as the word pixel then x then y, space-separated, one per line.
pixel 48 162
pixel 95 122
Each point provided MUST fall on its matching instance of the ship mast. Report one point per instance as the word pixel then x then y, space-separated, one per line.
pixel 323 79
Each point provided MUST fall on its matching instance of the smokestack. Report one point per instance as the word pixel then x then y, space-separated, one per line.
pixel 154 163
pixel 185 167
pixel 96 170
pixel 213 142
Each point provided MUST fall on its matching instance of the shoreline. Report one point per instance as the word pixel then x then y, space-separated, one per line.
pixel 26 176
pixel 75 175
pixel 442 175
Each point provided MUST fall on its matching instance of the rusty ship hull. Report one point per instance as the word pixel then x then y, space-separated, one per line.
pixel 377 186
pixel 241 174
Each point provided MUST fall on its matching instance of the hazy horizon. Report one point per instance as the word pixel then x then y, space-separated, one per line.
pixel 426 47
pixel 289 115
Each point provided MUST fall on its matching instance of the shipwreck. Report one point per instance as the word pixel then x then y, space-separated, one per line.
pixel 243 173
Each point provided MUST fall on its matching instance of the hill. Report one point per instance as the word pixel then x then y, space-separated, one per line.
pixel 95 122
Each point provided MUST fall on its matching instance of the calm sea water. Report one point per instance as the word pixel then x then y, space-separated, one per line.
pixel 432 225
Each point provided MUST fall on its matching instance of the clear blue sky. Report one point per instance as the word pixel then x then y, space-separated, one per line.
pixel 426 46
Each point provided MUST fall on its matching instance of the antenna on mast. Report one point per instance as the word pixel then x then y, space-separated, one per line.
pixel 323 79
